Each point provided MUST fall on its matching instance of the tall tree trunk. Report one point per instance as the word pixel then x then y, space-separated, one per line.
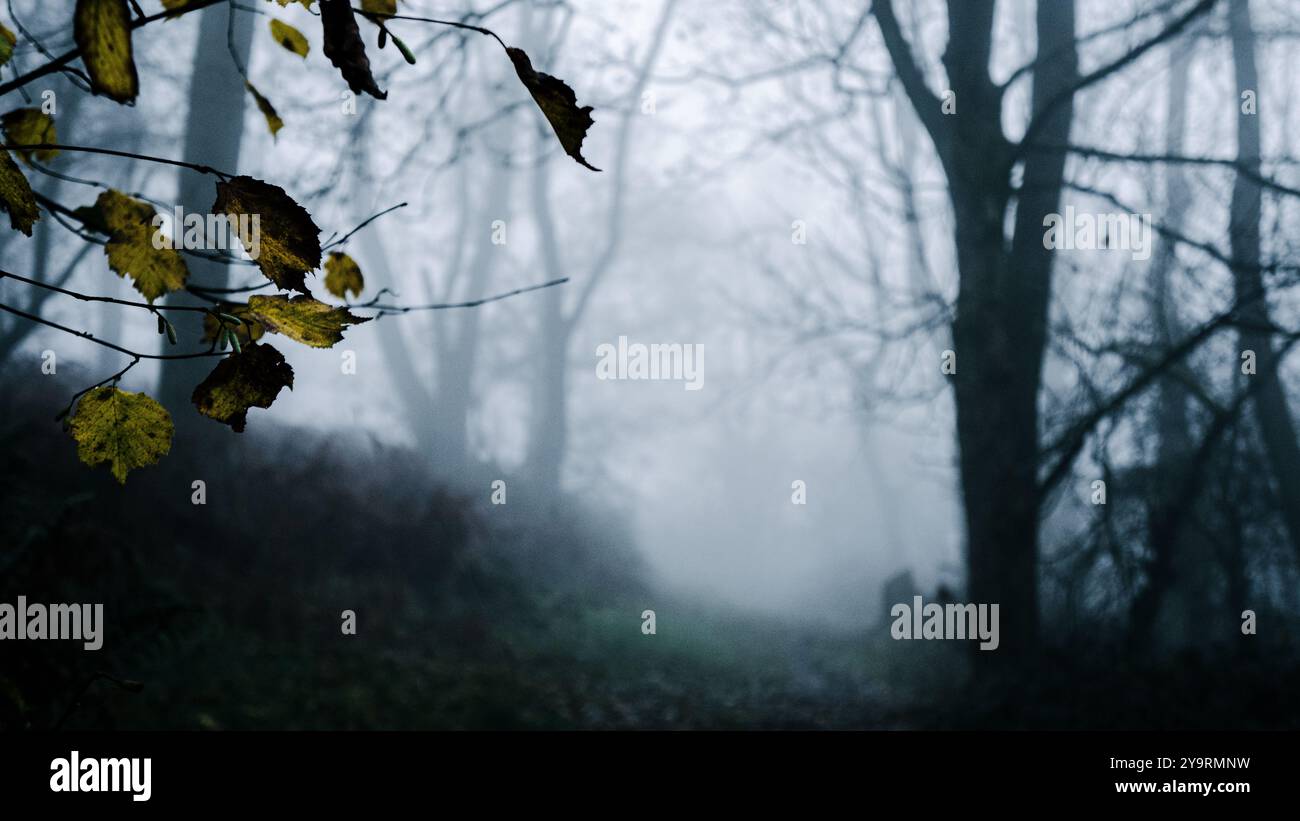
pixel 548 436
pixel 1179 556
pixel 453 395
pixel 413 395
pixel 549 424
pixel 1272 415
pixel 1000 329
pixel 214 128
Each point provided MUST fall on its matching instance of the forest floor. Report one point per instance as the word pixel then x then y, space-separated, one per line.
pixel 567 666
pixel 228 615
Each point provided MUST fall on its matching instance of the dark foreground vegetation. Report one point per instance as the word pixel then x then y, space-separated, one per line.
pixel 227 615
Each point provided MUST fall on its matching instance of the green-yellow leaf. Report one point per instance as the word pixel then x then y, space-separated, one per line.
pixel 16 197
pixel 130 249
pixel 379 6
pixel 31 126
pixel 305 3
pixel 407 54
pixel 303 319
pixel 558 102
pixel 343 275
pixel 249 378
pixel 289 242
pixel 289 37
pixel 7 42
pixel 124 430
pixel 102 29
pixel 273 120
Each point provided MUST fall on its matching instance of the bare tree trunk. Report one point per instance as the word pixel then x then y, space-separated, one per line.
pixel 1272 415
pixel 549 428
pixel 1178 560
pixel 213 130
pixel 1000 330
pixel 414 396
pixel 457 352
pixel 1006 329
pixel 414 390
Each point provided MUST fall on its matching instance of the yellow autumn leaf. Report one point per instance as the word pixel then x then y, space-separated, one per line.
pixel 102 29
pixel 343 275
pixel 30 126
pixel 16 195
pixel 379 6
pixel 273 121
pixel 289 37
pixel 7 42
pixel 303 319
pixel 124 430
pixel 130 249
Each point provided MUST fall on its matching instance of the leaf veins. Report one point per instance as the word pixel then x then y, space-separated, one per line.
pixel 303 319
pixel 124 430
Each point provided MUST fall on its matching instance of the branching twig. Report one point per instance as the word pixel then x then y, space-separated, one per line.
pixel 439 306
pixel 378 17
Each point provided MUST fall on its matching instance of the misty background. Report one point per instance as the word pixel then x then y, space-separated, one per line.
pixel 768 192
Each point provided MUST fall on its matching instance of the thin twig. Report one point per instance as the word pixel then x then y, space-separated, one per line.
pixel 113 152
pixel 374 16
pixel 439 306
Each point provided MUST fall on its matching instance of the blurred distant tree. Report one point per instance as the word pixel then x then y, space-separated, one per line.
pixel 549 427
pixel 1272 415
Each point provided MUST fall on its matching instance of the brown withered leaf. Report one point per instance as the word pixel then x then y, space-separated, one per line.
pixel 558 102
pixel 344 48
pixel 289 239
pixel 252 378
